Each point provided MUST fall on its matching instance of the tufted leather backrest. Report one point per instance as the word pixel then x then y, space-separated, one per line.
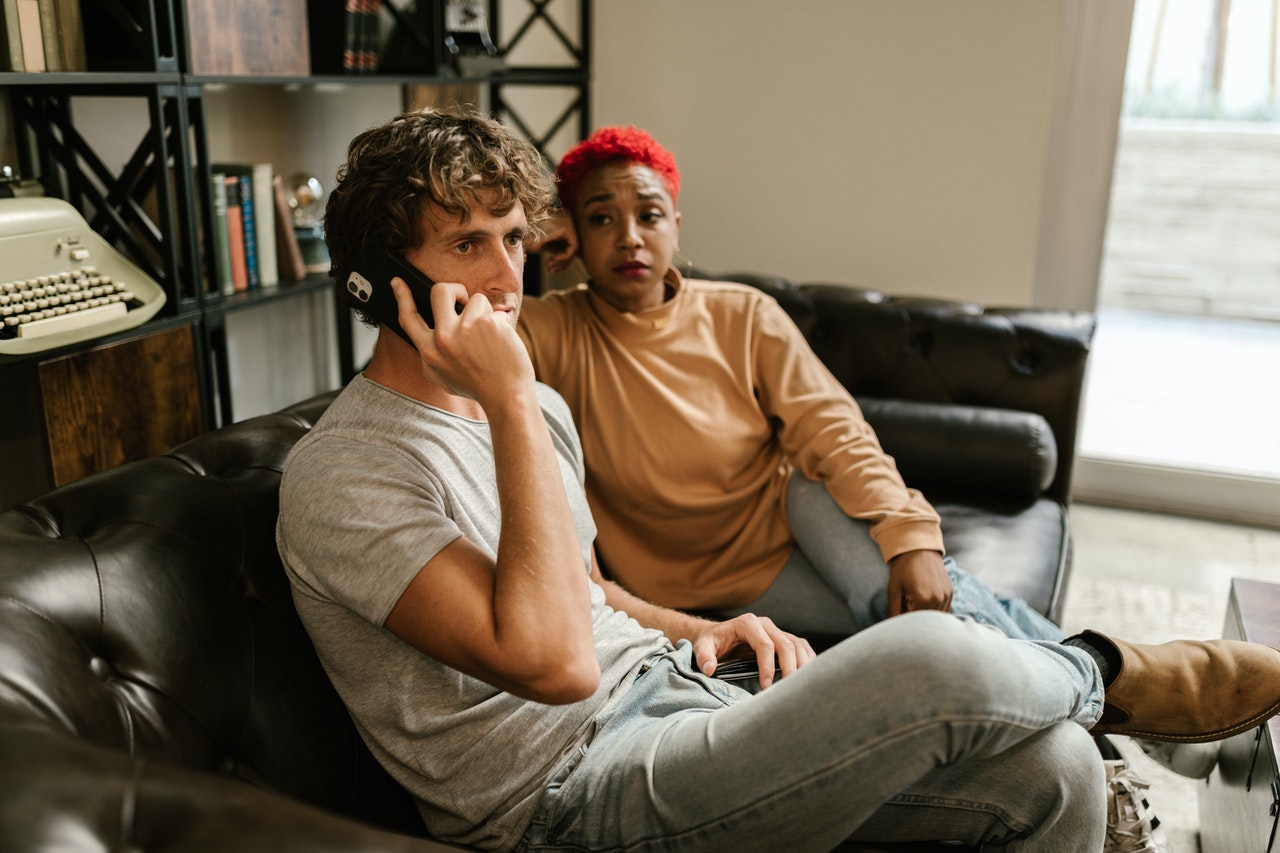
pixel 145 610
pixel 943 351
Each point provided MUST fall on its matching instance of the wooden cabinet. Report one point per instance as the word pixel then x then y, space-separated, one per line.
pixel 130 142
pixel 111 404
pixel 1240 803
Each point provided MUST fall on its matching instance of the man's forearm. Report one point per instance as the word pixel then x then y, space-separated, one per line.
pixel 673 623
pixel 540 585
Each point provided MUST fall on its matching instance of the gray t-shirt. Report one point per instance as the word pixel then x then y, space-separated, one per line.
pixel 376 489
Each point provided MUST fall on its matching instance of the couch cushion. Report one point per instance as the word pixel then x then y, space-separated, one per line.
pixel 975 450
pixel 1018 549
pixel 145 610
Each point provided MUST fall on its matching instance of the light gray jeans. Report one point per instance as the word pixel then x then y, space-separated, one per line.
pixel 928 726
pixel 836 580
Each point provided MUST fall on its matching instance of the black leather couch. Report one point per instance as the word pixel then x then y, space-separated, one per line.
pixel 158 693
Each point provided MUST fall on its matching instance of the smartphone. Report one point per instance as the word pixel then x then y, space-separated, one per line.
pixel 370 283
pixel 743 669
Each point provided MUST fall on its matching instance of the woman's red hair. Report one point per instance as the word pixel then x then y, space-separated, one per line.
pixel 611 145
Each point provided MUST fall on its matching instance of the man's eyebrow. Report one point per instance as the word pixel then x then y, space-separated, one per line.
pixel 463 235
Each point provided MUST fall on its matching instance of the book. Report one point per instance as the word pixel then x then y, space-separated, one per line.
pixel 371 36
pixel 221 241
pixel 71 35
pixel 235 235
pixel 351 36
pixel 264 217
pixel 290 265
pixel 249 221
pixel 12 38
pixel 261 198
pixel 30 34
pixel 346 35
pixel 49 35
pixel 361 36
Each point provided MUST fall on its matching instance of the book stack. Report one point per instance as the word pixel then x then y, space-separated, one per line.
pixel 253 240
pixel 347 35
pixel 43 35
pixel 362 36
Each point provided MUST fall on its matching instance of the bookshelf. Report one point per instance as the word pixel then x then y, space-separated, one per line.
pixel 131 141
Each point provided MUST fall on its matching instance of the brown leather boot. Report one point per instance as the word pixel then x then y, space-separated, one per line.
pixel 1189 690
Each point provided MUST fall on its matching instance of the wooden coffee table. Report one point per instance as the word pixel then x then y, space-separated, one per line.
pixel 1240 803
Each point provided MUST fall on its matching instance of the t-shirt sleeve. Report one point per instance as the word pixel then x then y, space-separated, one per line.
pixel 356 526
pixel 564 432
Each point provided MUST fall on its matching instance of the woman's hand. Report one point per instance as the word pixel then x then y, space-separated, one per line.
pixel 559 243
pixel 766 639
pixel 918 581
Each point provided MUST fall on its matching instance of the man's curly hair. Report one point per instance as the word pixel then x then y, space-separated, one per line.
pixel 613 145
pixel 445 157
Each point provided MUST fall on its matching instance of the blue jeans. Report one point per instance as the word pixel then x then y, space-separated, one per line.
pixel 922 727
pixel 836 579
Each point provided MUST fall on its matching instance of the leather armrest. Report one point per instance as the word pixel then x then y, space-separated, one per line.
pixel 63 792
pixel 974 448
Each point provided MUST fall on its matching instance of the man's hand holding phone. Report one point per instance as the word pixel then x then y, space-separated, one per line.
pixel 475 353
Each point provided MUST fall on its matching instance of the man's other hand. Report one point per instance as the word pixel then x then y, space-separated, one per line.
pixel 766 639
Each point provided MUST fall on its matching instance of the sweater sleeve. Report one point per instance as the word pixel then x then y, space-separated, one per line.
pixel 825 436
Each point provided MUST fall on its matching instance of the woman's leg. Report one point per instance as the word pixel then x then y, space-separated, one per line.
pixel 839 549
pixel 923 727
pixel 801 602
pixel 841 552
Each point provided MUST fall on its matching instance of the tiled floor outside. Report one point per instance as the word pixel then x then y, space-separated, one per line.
pixel 1185 391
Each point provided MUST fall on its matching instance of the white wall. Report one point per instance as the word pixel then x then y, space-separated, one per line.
pixel 932 147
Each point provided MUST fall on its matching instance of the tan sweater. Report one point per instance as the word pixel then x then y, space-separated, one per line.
pixel 692 416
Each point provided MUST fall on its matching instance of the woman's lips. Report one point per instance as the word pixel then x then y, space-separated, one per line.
pixel 633 269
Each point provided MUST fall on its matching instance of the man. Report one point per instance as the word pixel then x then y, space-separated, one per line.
pixel 439 544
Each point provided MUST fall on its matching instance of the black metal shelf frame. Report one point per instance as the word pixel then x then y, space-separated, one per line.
pixel 146 208
pixel 576 76
pixel 157 205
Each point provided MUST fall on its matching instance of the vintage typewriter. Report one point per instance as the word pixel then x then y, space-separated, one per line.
pixel 60 283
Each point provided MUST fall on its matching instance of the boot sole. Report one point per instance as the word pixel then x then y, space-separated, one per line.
pixel 1198 737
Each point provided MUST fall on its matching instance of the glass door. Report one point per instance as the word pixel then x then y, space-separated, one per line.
pixel 1182 410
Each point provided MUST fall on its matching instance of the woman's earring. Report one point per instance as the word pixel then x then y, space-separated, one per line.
pixel 683 264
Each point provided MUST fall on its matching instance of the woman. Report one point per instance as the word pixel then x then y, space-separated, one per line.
pixel 726 468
